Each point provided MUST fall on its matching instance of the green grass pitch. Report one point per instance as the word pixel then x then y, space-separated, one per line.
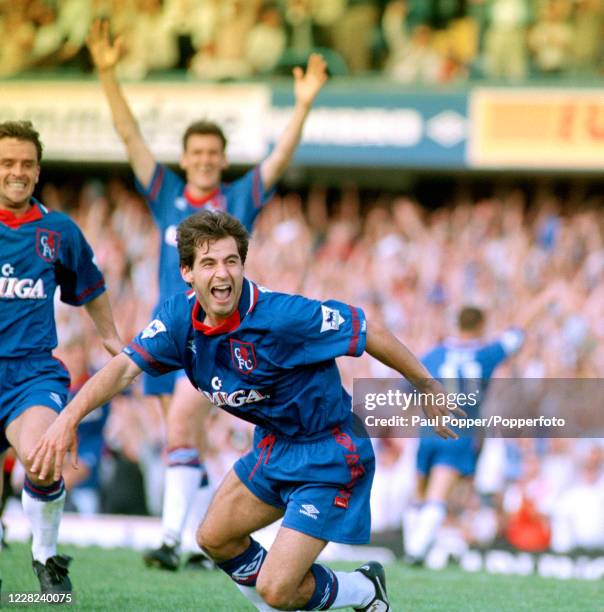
pixel 118 580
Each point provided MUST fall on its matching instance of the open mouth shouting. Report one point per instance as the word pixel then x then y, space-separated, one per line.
pixel 221 293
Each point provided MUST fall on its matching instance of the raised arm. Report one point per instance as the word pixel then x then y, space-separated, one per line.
pixel 99 310
pixel 61 436
pixel 384 347
pixel 105 55
pixel 535 307
pixel 306 87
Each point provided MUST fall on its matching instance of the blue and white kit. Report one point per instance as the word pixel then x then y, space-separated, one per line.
pixel 461 367
pixel 272 363
pixel 41 251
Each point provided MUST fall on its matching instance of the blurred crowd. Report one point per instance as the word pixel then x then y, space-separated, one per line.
pixel 411 268
pixel 410 41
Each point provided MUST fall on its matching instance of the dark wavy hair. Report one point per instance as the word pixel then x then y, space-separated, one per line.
pixel 209 226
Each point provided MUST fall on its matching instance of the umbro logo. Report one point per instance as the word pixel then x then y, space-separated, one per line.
pixel 249 571
pixel 309 510
pixel 56 398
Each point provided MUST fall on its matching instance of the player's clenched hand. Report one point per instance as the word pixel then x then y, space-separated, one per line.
pixel 49 454
pixel 436 407
pixel 307 84
pixel 104 53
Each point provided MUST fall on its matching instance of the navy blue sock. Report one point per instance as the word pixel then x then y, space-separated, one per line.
pixel 44 492
pixel 326 588
pixel 244 568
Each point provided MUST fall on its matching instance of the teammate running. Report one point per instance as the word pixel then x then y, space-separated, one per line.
pixel 462 364
pixel 41 250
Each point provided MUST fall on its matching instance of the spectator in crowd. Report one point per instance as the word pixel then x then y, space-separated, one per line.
pixel 414 59
pixel 266 41
pixel 232 39
pixel 587 36
pixel 505 49
pixel 18 35
pixel 193 23
pixel 224 55
pixel 551 37
pixel 578 514
pixel 299 20
pixel 150 42
pixel 354 34
pixel 48 39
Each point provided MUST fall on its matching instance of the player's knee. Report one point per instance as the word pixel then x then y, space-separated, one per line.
pixel 276 595
pixel 210 543
pixel 181 433
pixel 33 478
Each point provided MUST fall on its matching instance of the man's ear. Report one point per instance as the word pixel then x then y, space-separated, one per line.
pixel 182 162
pixel 187 274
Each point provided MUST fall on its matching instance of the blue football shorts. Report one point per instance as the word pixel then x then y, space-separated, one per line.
pixel 39 380
pixel 322 484
pixel 460 454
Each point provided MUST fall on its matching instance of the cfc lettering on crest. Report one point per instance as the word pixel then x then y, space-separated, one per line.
pixel 47 244
pixel 243 356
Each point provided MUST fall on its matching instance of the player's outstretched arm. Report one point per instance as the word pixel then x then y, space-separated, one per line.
pixel 105 55
pixel 306 87
pixel 99 310
pixel 383 346
pixel 49 454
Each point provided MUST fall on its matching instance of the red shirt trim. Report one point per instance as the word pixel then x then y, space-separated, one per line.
pixel 231 324
pixel 8 217
pixel 356 328
pixel 197 202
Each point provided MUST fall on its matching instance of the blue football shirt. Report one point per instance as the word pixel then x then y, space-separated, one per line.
pixel 467 367
pixel 39 252
pixel 271 363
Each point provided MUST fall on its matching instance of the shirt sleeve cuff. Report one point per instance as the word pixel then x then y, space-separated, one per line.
pixel 358 338
pixel 145 361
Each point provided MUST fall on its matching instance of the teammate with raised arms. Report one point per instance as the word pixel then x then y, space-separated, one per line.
pixel 171 200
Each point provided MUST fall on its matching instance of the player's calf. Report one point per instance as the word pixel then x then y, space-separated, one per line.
pixel 243 570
